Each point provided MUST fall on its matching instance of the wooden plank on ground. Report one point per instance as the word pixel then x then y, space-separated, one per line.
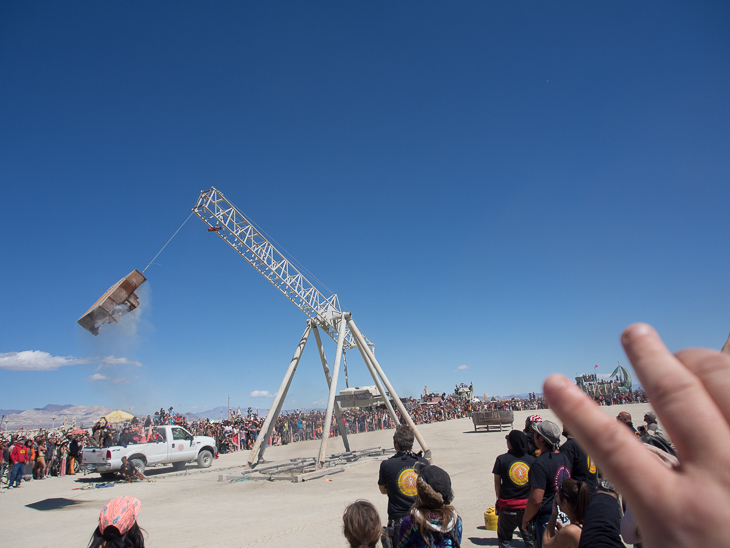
pixel 316 474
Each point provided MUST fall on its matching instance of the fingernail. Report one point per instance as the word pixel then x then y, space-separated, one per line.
pixel 556 382
pixel 635 331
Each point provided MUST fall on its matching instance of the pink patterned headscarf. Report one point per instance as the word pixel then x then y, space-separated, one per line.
pixel 120 512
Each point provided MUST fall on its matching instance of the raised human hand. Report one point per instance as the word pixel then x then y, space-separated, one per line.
pixel 687 506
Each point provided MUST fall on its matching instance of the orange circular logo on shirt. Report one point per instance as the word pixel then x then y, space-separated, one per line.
pixel 519 473
pixel 407 482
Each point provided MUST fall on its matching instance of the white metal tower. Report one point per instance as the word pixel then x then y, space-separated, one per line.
pixel 325 313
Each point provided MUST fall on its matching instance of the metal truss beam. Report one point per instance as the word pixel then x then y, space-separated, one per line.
pixel 239 233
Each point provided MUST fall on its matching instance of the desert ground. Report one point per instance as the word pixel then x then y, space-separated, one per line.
pixel 194 508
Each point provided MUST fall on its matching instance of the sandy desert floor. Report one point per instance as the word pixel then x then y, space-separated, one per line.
pixel 194 508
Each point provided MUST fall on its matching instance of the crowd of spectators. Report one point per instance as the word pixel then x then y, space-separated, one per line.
pixel 56 452
pixel 40 454
pixel 577 493
pixel 430 521
pixel 619 398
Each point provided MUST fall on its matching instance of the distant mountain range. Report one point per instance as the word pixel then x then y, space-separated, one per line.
pixel 42 417
pixel 53 408
pixel 214 414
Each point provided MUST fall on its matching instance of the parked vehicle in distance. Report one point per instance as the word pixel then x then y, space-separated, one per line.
pixel 167 445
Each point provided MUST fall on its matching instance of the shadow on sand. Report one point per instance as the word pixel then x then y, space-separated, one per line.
pixel 54 504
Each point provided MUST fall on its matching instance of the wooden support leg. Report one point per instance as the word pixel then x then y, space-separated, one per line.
pixel 338 416
pixel 257 453
pixel 404 413
pixel 333 392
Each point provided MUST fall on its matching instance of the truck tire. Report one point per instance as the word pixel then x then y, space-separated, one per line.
pixel 205 459
pixel 108 475
pixel 178 465
pixel 139 464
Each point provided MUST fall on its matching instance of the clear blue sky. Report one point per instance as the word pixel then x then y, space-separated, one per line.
pixel 500 185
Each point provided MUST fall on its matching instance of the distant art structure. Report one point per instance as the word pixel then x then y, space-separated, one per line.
pixel 464 392
pixel 619 382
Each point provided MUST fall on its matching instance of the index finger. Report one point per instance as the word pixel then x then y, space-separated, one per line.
pixel 677 395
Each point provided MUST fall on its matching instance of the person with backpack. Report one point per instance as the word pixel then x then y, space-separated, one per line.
pixel 432 521
pixel 546 474
pixel 397 479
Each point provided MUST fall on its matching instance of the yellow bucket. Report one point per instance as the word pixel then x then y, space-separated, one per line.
pixel 490 519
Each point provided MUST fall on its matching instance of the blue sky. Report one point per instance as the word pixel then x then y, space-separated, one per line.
pixel 500 185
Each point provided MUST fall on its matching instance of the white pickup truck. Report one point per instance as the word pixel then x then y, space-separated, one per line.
pixel 174 445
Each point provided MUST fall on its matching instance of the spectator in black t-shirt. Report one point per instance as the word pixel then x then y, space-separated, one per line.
pixel 125 437
pixel 582 466
pixel 511 473
pixel 106 439
pixel 74 452
pixel 397 479
pixel 128 470
pixel 546 474
pixel 602 522
pixel 532 449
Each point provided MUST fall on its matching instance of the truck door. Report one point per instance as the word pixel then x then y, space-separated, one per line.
pixel 182 448
pixel 157 446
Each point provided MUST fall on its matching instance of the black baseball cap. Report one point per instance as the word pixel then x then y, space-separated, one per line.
pixel 439 481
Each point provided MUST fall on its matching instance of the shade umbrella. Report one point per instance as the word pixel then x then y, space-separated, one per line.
pixel 118 416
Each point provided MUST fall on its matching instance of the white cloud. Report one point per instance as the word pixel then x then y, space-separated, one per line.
pixel 100 377
pixel 462 368
pixel 35 360
pixel 111 361
pixel 261 394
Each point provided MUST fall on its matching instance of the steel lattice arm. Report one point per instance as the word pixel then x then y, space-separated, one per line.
pixel 233 227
